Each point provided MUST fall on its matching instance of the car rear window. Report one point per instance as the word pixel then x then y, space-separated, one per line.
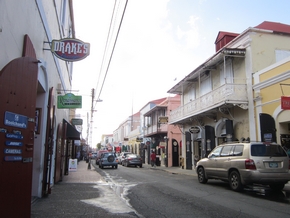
pixel 267 150
pixel 132 156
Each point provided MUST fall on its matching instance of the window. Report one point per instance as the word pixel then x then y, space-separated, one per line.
pixel 205 83
pixel 226 76
pixel 281 54
pixel 216 152
pixel 238 150
pixel 226 151
pixel 189 94
pixel 267 150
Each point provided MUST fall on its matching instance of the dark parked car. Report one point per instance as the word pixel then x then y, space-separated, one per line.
pixel 132 160
pixel 108 159
pixel 94 155
pixel 122 156
pixel 99 155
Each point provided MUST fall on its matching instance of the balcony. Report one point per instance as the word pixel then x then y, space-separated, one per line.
pixel 226 94
pixel 155 129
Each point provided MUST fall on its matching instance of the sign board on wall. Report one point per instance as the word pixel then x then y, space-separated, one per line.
pixel 285 103
pixel 70 49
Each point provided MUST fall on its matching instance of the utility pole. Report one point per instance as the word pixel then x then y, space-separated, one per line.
pixel 92 116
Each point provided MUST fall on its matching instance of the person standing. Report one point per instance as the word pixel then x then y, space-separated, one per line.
pixel 153 159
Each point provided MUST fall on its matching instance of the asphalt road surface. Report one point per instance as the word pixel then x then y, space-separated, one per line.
pixel 149 192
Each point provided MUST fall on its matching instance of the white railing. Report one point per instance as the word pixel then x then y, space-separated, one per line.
pixel 156 129
pixel 225 93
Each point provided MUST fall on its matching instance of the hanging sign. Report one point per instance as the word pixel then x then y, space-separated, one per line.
pixel 76 121
pixel 70 49
pixel 285 103
pixel 194 129
pixel 69 101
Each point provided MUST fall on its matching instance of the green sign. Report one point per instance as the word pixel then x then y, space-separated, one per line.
pixel 69 101
pixel 77 121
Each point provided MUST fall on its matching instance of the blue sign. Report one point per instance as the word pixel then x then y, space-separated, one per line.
pixel 15 120
pixel 13 158
pixel 14 136
pixel 3 130
pixel 12 151
pixel 10 143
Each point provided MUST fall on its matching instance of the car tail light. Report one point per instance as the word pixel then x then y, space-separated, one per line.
pixel 250 164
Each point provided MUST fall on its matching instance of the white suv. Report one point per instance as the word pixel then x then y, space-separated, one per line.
pixel 248 163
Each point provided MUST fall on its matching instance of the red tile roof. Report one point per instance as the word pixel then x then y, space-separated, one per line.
pixel 276 27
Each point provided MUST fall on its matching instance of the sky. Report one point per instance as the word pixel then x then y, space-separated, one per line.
pixel 159 43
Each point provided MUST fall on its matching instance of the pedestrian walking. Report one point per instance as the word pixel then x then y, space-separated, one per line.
pixel 153 159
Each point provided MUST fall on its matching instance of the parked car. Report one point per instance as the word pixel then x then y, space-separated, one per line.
pixel 243 164
pixel 94 155
pixel 122 156
pixel 99 155
pixel 108 159
pixel 132 160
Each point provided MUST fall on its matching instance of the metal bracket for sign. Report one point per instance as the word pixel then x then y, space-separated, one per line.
pixel 31 120
pixel 48 49
pixel 67 90
pixel 283 84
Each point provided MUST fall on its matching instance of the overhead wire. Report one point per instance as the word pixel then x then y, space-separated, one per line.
pixel 106 46
pixel 113 49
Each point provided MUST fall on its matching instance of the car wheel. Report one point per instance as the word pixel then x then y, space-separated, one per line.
pixel 140 166
pixel 102 167
pixel 277 187
pixel 235 181
pixel 201 175
pixel 116 167
pixel 99 166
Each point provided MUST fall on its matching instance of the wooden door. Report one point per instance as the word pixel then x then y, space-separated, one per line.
pixel 18 90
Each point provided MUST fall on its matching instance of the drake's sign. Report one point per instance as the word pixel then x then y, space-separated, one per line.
pixel 70 49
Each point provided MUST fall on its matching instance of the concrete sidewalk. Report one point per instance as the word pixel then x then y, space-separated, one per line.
pixel 66 198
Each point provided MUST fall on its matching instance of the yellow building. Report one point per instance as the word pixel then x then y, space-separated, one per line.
pixel 270 84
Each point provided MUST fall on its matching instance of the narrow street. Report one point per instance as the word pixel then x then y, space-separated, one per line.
pixel 157 193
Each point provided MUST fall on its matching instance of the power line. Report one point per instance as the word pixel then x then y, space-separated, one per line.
pixel 112 49
pixel 106 46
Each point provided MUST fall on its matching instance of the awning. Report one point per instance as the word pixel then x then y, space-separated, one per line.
pixel 71 132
